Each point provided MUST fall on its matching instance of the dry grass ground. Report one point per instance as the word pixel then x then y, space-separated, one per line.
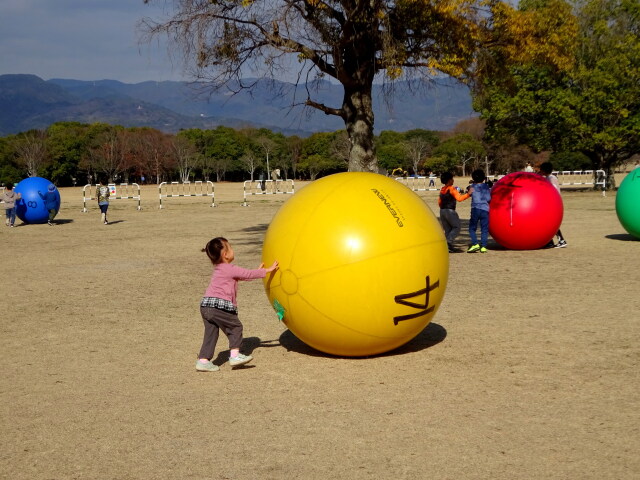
pixel 529 371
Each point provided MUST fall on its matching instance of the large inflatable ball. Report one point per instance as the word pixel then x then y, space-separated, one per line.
pixel 628 203
pixel 363 264
pixel 31 208
pixel 525 211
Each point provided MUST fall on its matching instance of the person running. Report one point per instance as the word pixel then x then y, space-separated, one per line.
pixel 10 197
pixel 102 194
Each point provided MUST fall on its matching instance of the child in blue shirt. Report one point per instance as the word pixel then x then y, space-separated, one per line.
pixel 479 212
pixel 50 202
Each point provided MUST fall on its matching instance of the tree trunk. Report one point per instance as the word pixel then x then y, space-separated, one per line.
pixel 357 110
pixel 609 172
pixel 604 162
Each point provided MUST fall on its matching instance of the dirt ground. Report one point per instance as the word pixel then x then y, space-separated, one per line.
pixel 530 369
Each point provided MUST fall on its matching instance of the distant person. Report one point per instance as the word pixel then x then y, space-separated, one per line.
pixel 528 168
pixel 275 176
pixel 102 194
pixel 449 218
pixel 50 202
pixel 219 308
pixel 9 197
pixel 432 179
pixel 263 181
pixel 546 170
pixel 479 211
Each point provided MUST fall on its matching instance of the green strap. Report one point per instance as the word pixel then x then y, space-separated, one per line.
pixel 279 309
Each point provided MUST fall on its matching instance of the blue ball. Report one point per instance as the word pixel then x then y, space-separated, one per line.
pixel 31 207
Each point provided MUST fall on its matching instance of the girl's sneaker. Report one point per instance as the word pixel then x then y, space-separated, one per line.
pixel 239 360
pixel 206 367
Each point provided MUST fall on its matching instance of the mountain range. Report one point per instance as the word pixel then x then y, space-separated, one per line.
pixel 29 102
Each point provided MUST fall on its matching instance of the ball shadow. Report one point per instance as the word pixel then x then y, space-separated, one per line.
pixel 430 336
pixel 249 344
pixel 623 237
pixel 57 221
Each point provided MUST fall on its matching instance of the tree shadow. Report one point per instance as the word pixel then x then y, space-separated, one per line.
pixel 430 336
pixel 256 239
pixel 255 228
pixel 623 237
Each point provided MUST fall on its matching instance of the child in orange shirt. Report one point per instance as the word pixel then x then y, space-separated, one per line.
pixel 449 218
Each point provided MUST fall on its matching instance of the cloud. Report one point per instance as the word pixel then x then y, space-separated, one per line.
pixel 81 39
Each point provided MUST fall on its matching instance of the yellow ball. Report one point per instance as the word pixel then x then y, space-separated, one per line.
pixel 363 264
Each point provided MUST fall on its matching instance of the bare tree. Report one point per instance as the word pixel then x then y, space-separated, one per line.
pixel 185 156
pixel 32 150
pixel 153 153
pixel 107 153
pixel 418 149
pixel 268 146
pixel 249 161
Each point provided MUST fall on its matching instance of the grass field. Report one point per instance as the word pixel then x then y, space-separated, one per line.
pixel 530 369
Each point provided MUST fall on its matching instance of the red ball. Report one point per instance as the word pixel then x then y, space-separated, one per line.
pixel 525 211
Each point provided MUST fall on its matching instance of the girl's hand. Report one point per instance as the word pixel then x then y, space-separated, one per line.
pixel 273 267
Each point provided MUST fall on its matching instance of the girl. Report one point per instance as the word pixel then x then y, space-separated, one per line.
pixel 219 308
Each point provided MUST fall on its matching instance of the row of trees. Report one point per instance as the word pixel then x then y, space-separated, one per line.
pixel 71 153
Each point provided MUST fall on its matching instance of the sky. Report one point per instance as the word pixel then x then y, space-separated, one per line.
pixel 82 40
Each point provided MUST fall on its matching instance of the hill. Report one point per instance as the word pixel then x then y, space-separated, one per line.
pixel 27 102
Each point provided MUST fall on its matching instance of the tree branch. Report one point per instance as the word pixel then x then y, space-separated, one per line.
pixel 323 108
